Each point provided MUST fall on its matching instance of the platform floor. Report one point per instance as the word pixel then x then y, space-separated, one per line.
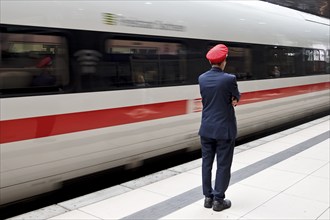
pixel 281 176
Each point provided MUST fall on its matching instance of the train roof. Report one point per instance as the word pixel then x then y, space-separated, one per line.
pixel 249 21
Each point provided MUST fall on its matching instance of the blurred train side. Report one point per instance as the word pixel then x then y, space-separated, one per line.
pixel 48 137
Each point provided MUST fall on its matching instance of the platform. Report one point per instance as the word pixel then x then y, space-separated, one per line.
pixel 281 176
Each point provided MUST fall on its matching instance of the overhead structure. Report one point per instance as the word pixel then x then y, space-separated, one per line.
pixel 317 7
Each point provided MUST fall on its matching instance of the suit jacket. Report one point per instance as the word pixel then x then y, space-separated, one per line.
pixel 217 89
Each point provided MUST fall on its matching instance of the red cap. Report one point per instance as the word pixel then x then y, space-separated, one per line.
pixel 217 54
pixel 44 62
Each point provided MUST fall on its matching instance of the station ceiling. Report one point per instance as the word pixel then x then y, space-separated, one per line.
pixel 317 7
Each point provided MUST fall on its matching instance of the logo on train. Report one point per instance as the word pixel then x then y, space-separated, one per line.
pixel 112 19
pixel 197 105
pixel 109 19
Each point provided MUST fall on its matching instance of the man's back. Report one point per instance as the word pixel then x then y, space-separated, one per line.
pixel 218 117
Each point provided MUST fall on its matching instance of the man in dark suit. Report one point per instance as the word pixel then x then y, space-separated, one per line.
pixel 218 129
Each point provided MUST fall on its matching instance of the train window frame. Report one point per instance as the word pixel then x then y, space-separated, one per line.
pixel 45 51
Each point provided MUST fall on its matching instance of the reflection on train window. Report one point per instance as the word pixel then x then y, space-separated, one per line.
pixel 131 63
pixel 30 61
pixel 315 61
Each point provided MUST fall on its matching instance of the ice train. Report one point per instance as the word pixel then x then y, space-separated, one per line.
pixel 87 86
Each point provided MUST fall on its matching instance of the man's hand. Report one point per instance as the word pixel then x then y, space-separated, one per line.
pixel 234 101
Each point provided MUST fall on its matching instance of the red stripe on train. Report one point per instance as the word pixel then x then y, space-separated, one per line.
pixel 37 127
pixel 264 95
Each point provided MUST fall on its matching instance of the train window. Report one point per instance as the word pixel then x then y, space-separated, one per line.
pixel 132 63
pixel 29 61
pixel 239 62
pixel 249 62
pixel 284 62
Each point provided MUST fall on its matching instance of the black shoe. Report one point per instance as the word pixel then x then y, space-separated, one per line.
pixel 221 205
pixel 208 202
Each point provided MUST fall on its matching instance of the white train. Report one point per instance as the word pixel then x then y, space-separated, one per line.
pixel 86 86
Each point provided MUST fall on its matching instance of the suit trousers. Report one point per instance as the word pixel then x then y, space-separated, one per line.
pixel 224 150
